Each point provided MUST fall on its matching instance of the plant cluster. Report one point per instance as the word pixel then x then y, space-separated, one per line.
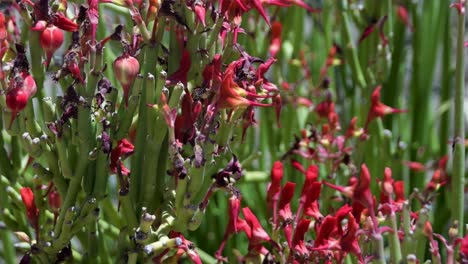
pixel 134 130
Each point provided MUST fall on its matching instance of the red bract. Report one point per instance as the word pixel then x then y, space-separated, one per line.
pixel 349 242
pixel 62 22
pixel 22 88
pixel 274 188
pixel 231 95
pixel 362 193
pixel 126 69
pixel 54 200
pixel 311 207
pixel 287 3
pixel 415 166
pixel 234 9
pixel 255 232
pixel 284 211
pixel 200 11
pixel 232 227
pixel 311 177
pixel 403 16
pixel 181 74
pixel 378 109
pixel 186 247
pixel 275 43
pixel 184 123
pixel 121 152
pixel 32 212
pixel 464 250
pixel 298 244
pixel 51 39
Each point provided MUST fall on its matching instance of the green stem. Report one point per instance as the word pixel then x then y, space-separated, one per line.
pixel 458 180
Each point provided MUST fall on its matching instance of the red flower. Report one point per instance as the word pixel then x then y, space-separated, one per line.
pixel 362 193
pixel 121 152
pixel 32 212
pixel 415 166
pixel 275 43
pixel 274 188
pixel 348 241
pixel 126 69
pixel 184 123
pixel 232 226
pixel 200 11
pixel 311 205
pixel 464 249
pixel 285 210
pixel 62 22
pixel 403 16
pixel 287 3
pixel 254 231
pixel 51 39
pixel 186 247
pixel 378 109
pixel 298 243
pixel 231 95
pixel 307 194
pixel 21 88
pixel 234 9
pixel 181 74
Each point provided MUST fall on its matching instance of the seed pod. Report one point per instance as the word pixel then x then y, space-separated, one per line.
pixel 51 39
pixel 126 69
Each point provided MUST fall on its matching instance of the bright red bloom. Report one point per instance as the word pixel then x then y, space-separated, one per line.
pixel 378 109
pixel 121 152
pixel 32 212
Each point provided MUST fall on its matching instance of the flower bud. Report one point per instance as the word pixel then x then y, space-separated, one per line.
pixel 126 69
pixel 51 39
